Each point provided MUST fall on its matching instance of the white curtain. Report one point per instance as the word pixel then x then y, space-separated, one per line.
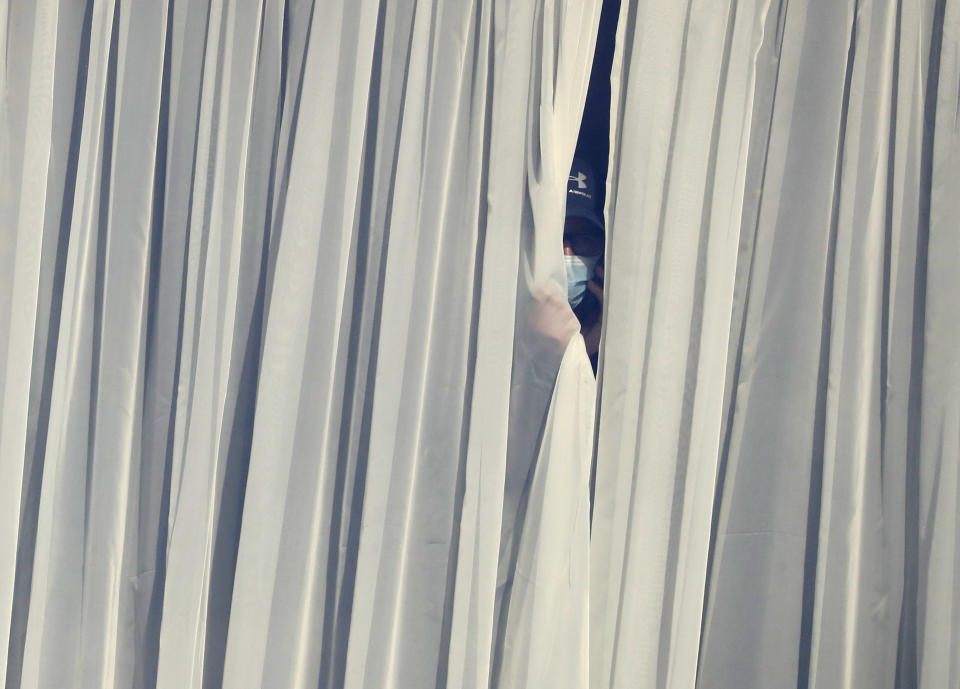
pixel 263 264
pixel 291 397
pixel 778 446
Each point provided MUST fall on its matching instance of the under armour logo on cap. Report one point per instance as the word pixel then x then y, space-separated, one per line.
pixel 581 188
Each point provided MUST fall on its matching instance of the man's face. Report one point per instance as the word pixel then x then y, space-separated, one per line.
pixel 582 238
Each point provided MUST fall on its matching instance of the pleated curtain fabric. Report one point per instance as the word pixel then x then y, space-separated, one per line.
pixel 262 265
pixel 778 446
pixel 291 396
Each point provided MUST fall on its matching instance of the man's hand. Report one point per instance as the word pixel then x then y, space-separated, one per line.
pixel 591 336
pixel 552 318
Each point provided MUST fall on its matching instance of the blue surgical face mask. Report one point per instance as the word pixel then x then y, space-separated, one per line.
pixel 579 272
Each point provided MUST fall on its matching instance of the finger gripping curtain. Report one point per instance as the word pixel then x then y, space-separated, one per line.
pixel 291 397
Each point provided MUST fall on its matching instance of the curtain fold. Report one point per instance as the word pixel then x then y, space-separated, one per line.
pixel 684 81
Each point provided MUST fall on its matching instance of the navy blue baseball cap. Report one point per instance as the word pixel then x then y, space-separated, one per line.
pixel 582 198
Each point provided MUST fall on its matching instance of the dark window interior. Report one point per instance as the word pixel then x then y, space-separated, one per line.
pixel 594 140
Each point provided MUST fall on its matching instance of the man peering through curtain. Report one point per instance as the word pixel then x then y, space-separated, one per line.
pixel 583 243
pixel 583 248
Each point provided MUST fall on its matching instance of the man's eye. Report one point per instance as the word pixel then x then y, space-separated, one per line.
pixel 586 245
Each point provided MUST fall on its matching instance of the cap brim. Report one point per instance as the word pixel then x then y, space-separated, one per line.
pixel 585 214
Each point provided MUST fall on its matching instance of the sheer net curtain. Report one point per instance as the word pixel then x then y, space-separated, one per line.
pixel 778 446
pixel 264 270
